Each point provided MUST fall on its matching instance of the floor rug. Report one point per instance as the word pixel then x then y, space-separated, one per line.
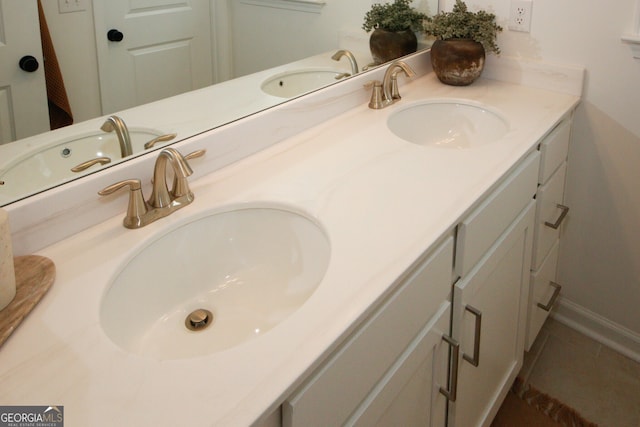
pixel 525 406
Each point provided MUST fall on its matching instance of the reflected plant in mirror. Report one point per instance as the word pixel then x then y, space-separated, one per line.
pixel 160 84
pixel 394 26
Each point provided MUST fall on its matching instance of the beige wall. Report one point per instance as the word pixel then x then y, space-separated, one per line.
pixel 600 252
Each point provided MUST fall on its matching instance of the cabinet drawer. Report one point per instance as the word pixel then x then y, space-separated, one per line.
pixel 334 392
pixel 480 230
pixel 549 197
pixel 541 292
pixel 553 150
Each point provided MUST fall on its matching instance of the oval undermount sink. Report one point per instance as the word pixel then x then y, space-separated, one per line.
pixel 294 83
pixel 214 283
pixel 448 124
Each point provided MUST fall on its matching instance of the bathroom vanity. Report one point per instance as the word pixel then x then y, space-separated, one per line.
pixel 425 295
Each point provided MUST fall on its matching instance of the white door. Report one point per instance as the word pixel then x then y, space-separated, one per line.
pixel 158 48
pixel 23 94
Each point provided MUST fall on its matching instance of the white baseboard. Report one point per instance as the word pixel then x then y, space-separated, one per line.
pixel 593 325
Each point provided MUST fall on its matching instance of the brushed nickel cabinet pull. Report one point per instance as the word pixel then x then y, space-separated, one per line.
pixel 554 297
pixel 556 225
pixel 452 393
pixel 475 360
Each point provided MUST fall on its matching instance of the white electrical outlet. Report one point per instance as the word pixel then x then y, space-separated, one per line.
pixel 520 18
pixel 67 6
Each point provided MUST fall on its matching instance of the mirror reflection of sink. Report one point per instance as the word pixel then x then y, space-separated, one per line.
pixel 246 269
pixel 294 83
pixel 52 164
pixel 448 124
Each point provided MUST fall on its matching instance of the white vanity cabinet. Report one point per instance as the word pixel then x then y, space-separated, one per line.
pixel 391 368
pixel 493 259
pixel 550 213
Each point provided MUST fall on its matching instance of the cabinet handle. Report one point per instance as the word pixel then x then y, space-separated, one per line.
pixel 475 360
pixel 452 393
pixel 554 297
pixel 555 225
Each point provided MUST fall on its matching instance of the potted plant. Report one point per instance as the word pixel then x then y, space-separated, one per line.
pixel 394 25
pixel 458 54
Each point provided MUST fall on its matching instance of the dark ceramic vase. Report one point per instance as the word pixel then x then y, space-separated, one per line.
pixel 457 62
pixel 388 45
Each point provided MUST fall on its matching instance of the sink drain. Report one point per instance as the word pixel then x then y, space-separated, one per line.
pixel 198 320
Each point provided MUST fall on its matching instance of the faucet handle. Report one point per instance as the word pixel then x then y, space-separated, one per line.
pixel 137 206
pixel 87 164
pixel 195 154
pixel 180 186
pixel 161 138
pixel 395 92
pixel 377 99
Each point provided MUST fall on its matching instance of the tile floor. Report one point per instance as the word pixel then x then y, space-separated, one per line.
pixel 601 384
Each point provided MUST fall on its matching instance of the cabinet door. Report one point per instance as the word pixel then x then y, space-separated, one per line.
pixel 489 321
pixel 409 395
pixel 356 372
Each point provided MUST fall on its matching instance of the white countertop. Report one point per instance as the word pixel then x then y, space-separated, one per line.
pixel 382 201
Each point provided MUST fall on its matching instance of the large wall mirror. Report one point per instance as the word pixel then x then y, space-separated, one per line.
pixel 169 69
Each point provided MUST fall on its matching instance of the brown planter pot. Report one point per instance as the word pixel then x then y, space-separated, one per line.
pixel 457 62
pixel 389 45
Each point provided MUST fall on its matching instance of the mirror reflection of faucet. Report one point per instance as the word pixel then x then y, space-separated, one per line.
pixel 352 60
pixel 86 165
pixel 117 125
pixel 161 138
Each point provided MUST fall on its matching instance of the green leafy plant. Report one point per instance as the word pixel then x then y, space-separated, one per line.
pixel 396 16
pixel 462 24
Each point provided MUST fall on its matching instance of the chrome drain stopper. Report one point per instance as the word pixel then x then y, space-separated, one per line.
pixel 198 320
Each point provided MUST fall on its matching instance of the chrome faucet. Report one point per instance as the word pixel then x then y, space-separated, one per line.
pixel 352 60
pixel 386 93
pixel 162 201
pixel 115 123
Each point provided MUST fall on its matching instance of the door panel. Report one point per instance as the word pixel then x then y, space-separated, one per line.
pixel 23 95
pixel 165 50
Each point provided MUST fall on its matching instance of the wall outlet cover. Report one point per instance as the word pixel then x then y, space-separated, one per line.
pixel 520 16
pixel 68 6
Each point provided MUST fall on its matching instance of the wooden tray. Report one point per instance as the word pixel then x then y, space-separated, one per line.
pixel 34 276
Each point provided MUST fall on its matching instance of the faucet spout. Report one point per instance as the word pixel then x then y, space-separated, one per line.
pixel 115 123
pixel 352 59
pixel 160 196
pixel 390 80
